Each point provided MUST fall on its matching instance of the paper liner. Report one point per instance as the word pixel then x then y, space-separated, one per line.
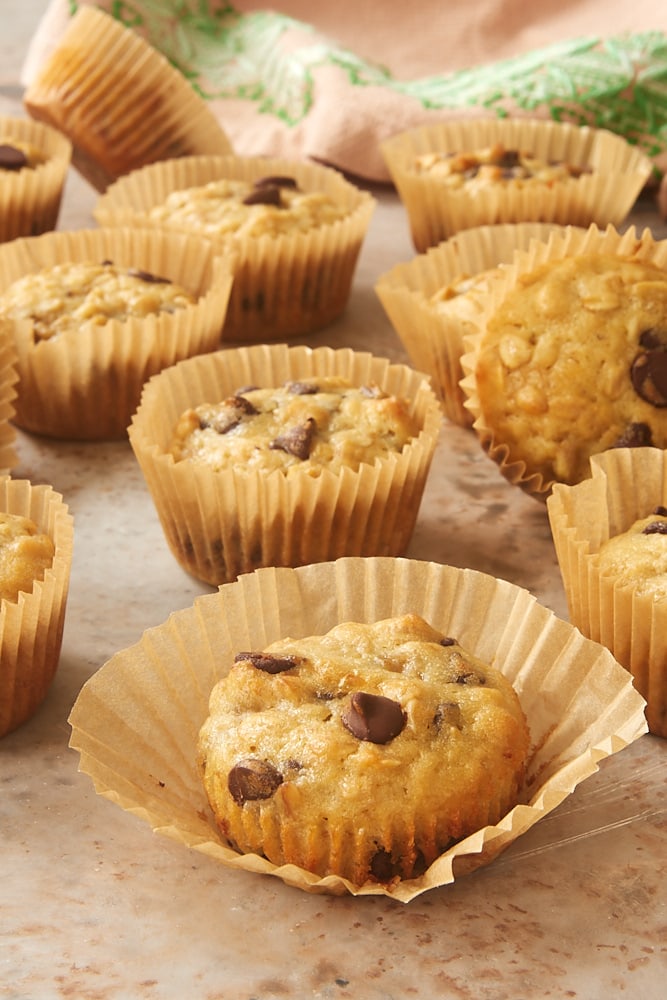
pixel 120 101
pixel 626 484
pixel 433 339
pixel 221 524
pixel 435 212
pixel 8 380
pixel 85 384
pixel 284 286
pixel 562 243
pixel 136 721
pixel 31 628
pixel 30 198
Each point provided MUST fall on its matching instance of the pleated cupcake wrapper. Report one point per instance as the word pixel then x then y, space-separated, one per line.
pixel 433 339
pixel 136 721
pixel 30 198
pixel 626 485
pixel 8 380
pixel 436 212
pixel 284 286
pixel 86 383
pixel 220 524
pixel 562 243
pixel 31 627
pixel 119 101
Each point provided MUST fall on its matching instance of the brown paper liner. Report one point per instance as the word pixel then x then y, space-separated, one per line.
pixel 31 628
pixel 604 196
pixel 136 721
pixel 30 198
pixel 221 524
pixel 284 286
pixel 562 243
pixel 8 379
pixel 85 384
pixel 434 340
pixel 120 101
pixel 626 484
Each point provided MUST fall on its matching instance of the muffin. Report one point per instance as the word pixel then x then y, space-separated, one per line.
pixel 295 228
pixel 36 537
pixel 34 160
pixel 94 313
pixel 569 360
pixel 136 721
pixel 435 300
pixel 362 753
pixel 119 101
pixel 282 473
pixel 610 537
pixel 544 172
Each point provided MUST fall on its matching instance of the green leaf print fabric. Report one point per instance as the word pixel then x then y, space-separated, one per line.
pixel 280 86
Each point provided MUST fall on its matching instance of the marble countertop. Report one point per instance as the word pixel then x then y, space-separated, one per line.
pixel 96 906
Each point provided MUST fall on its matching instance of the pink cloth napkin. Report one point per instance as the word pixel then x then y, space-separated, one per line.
pixel 330 81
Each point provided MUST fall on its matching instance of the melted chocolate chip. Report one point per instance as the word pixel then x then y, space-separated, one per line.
pixel 302 388
pixel 12 158
pixel 154 279
pixel 648 371
pixel 660 511
pixel 277 180
pixel 655 528
pixel 509 159
pixel 470 677
pixel 252 779
pixel 229 415
pixel 373 718
pixel 269 664
pixel 636 435
pixel 448 641
pixel 296 441
pixel 269 195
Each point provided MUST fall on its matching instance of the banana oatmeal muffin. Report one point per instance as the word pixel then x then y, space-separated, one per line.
pixel 638 557
pixel 494 165
pixel 364 752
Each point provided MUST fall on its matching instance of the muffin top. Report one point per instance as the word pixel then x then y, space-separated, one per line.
pixel 638 557
pixel 494 165
pixel 301 426
pixel 271 206
pixel 60 298
pixel 25 554
pixel 573 361
pixel 464 296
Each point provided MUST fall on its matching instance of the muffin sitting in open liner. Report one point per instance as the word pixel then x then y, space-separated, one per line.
pixel 94 313
pixel 570 356
pixel 34 160
pixel 311 723
pixel 296 229
pixel 459 174
pixel 276 456
pixel 610 534
pixel 437 298
pixel 36 541
pixel 120 101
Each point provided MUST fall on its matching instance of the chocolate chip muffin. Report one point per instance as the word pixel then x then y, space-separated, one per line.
pixel 364 752
pixel 638 557
pixel 573 361
pixel 496 164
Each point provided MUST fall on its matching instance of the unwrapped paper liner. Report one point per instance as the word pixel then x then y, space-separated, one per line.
pixel 136 721
pixel 626 484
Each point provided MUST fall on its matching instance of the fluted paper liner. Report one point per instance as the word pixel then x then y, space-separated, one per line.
pixel 8 380
pixel 219 524
pixel 284 286
pixel 435 212
pixel 31 628
pixel 30 198
pixel 562 243
pixel 434 339
pixel 626 485
pixel 86 383
pixel 120 102
pixel 136 721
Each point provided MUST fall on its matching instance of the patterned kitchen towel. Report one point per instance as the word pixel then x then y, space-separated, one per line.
pixel 331 81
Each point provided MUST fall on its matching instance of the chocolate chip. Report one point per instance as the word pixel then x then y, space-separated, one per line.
pixel 302 388
pixel 229 415
pixel 277 180
pixel 373 718
pixel 655 528
pixel 508 159
pixel 648 371
pixel 448 641
pixel 155 279
pixel 636 435
pixel 252 779
pixel 12 158
pixel 296 441
pixel 470 677
pixel 448 714
pixel 660 511
pixel 269 664
pixel 264 196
